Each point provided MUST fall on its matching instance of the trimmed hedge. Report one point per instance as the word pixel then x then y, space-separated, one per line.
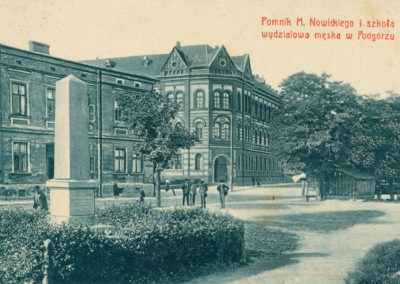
pixel 139 245
pixel 381 264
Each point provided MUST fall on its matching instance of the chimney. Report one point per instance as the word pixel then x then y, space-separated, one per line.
pixel 39 47
pixel 178 44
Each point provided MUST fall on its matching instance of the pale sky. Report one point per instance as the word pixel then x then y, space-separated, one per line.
pixel 86 29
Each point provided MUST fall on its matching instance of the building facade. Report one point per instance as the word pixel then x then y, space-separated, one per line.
pixel 223 102
pixel 28 97
pixel 228 108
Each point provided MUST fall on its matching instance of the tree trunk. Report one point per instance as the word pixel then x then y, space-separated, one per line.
pixel 391 189
pixel 154 182
pixel 158 187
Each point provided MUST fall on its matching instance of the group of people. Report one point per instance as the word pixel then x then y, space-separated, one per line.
pixel 189 192
pixel 191 188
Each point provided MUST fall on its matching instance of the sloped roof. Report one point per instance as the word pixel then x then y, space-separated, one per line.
pixel 148 65
pixel 240 61
pixel 198 55
pixel 357 174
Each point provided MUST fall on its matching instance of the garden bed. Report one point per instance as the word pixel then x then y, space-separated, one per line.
pixel 381 264
pixel 136 244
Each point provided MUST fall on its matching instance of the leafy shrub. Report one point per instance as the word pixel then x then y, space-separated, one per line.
pixel 22 235
pixel 142 245
pixel 380 265
pixel 122 214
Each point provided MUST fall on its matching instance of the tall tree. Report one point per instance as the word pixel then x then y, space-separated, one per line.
pixel 324 125
pixel 153 119
pixel 375 139
pixel 310 131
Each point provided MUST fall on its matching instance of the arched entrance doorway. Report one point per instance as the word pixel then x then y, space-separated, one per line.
pixel 221 169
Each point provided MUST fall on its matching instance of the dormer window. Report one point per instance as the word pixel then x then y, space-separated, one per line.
pixel 109 63
pixel 119 81
pixel 146 61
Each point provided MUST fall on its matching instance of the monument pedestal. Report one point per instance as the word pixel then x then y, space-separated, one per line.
pixel 72 200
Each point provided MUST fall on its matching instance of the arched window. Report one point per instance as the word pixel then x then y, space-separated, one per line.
pixel 239 101
pixel 267 141
pixel 226 135
pixel 225 100
pixel 239 132
pixel 199 99
pixel 199 130
pixel 179 99
pixel 197 162
pixel 170 98
pixel 269 114
pixel 260 138
pixel 217 131
pixel 136 163
pixel 255 141
pixel 217 100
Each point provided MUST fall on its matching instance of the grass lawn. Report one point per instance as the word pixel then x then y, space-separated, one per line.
pixel 325 222
pixel 381 264
pixel 264 241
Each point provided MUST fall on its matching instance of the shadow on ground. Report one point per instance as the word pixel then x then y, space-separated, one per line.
pixel 323 222
pixel 266 249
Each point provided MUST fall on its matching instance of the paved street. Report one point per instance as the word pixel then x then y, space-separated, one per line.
pixel 328 247
pixel 321 257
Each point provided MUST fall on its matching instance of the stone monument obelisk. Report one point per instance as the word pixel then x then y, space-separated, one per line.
pixel 71 190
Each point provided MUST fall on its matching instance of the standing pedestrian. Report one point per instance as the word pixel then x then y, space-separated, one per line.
pixel 258 182
pixel 36 197
pixel 141 193
pixel 186 192
pixel 168 186
pixel 203 188
pixel 115 189
pixel 193 192
pixel 253 180
pixel 40 199
pixel 223 192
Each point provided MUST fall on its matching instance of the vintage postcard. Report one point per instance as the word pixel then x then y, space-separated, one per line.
pixel 194 141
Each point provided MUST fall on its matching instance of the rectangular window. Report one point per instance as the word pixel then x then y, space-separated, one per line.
pixel 92 114
pixel 178 162
pixel 120 160
pixel 20 156
pixel 136 163
pixel 50 102
pixel 92 153
pixel 19 98
pixel 117 111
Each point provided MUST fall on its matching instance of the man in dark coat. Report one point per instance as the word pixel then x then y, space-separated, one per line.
pixel 40 199
pixel 116 189
pixel 193 192
pixel 203 188
pixel 223 191
pixel 186 192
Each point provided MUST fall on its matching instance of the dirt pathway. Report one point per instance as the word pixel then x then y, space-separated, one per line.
pixel 321 257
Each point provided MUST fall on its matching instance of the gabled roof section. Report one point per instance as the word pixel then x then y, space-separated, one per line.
pixel 198 55
pixel 147 65
pixel 247 67
pixel 221 52
pixel 179 58
pixel 239 61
